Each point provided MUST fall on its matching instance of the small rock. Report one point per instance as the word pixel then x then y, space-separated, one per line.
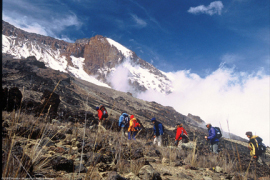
pixel 132 176
pixel 54 121
pixel 165 161
pixel 46 142
pixel 218 169
pixel 179 163
pixel 207 178
pixel 59 150
pixel 112 175
pixel 80 168
pixel 183 176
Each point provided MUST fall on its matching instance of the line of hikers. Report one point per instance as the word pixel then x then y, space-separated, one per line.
pixel 132 126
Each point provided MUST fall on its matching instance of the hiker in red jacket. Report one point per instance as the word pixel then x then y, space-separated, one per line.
pixel 102 114
pixel 180 133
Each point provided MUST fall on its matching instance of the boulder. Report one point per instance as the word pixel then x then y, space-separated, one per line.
pixel 148 172
pixel 14 99
pixel 49 99
pixel 4 98
pixel 62 164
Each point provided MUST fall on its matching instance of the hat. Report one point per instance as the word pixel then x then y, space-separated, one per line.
pixel 97 108
pixel 208 124
pixel 131 116
pixel 249 133
pixel 153 119
pixel 178 124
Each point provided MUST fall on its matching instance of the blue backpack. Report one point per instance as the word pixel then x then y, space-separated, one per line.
pixel 218 132
pixel 261 146
pixel 126 120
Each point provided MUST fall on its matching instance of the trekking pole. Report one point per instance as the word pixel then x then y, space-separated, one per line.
pixel 248 167
pixel 138 133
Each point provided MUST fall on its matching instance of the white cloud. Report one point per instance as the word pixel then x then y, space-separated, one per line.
pixel 231 58
pixel 22 23
pixel 44 27
pixel 119 77
pixel 214 8
pixel 139 22
pixel 241 98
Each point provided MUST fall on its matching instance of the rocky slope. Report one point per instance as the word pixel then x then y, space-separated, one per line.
pixel 70 144
pixel 91 59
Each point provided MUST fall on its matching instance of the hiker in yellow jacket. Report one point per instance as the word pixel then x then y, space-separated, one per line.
pixel 255 147
pixel 133 128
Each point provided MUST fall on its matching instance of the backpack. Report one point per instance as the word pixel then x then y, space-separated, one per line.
pixel 261 146
pixel 218 132
pixel 137 125
pixel 125 120
pixel 104 112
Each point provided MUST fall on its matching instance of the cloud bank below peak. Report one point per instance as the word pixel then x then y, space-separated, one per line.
pixel 239 97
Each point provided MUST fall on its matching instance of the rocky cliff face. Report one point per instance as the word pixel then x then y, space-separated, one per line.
pixel 99 56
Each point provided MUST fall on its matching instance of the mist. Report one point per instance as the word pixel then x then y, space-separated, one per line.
pixel 223 96
pixel 239 98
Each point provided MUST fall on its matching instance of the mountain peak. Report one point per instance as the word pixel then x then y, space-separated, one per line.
pixel 95 58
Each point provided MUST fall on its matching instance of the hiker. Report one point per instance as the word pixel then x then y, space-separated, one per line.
pixel 123 122
pixel 180 134
pixel 212 138
pixel 256 147
pixel 133 128
pixel 158 131
pixel 102 114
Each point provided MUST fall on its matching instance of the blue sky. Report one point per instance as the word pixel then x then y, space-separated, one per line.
pixel 172 35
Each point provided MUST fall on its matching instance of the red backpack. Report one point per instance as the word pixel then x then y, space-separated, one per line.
pixel 104 111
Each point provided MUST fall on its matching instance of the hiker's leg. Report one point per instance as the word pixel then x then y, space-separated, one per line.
pixel 155 140
pixel 134 134
pixel 180 144
pixel 215 148
pixel 211 148
pixel 129 135
pixel 261 159
pixel 123 131
pixel 159 139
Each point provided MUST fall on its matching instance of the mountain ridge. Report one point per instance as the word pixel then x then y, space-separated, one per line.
pixel 101 58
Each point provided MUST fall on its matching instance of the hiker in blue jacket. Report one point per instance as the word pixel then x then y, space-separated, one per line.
pixel 158 131
pixel 212 138
pixel 123 122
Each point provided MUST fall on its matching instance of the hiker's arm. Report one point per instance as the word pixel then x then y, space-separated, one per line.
pixel 177 134
pixel 161 129
pixel 211 134
pixel 120 120
pixel 154 130
pixel 185 132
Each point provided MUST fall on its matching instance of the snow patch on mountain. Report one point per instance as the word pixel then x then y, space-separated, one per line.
pixel 125 51
pixel 24 48
pixel 125 72
pixel 52 58
pixel 79 72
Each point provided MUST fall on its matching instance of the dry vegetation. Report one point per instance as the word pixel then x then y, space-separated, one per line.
pixel 24 151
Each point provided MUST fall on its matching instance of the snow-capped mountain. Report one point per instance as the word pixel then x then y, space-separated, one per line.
pixel 96 60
